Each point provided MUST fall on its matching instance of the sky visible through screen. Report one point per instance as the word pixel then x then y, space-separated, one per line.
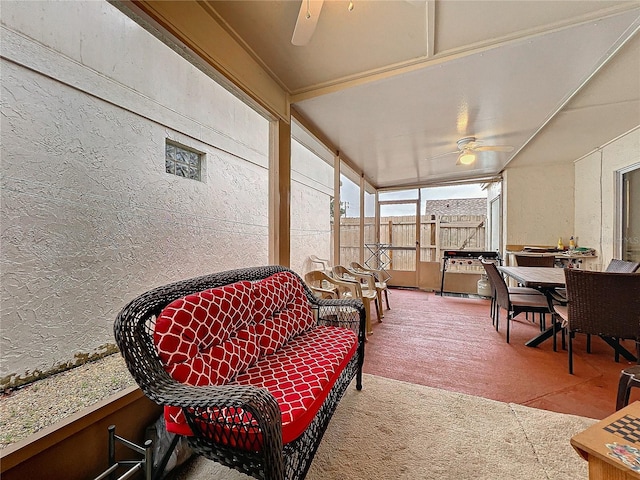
pixel 350 193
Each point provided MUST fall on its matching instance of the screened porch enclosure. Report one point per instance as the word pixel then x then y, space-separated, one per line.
pixel 396 250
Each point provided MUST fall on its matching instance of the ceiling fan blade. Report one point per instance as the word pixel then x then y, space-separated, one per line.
pixel 493 148
pixel 443 155
pixel 306 22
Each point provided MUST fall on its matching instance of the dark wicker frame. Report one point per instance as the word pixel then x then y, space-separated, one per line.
pixel 133 331
pixel 605 304
pixel 535 261
pixel 622 266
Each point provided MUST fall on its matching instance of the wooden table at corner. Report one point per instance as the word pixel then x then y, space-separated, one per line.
pixel 591 444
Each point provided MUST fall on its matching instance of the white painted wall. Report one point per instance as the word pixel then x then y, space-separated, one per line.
pixel 538 204
pixel 551 201
pixel 89 217
pixel 595 180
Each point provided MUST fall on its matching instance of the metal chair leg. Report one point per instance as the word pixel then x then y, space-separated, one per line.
pixel 570 352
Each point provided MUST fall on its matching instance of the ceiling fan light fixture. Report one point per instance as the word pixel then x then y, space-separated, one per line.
pixel 467 158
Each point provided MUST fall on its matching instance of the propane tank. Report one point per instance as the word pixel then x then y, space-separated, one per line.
pixel 484 289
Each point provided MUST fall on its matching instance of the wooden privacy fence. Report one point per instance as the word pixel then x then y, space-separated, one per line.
pixel 439 232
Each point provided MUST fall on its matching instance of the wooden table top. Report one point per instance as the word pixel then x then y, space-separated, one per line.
pixel 536 277
pixel 614 440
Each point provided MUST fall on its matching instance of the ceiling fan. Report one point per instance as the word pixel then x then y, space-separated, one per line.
pixel 467 148
pixel 307 20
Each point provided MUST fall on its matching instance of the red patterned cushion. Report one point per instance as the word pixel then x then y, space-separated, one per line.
pixel 274 332
pixel 273 294
pixel 215 366
pixel 196 322
pixel 219 363
pixel 282 310
pixel 206 339
pixel 197 339
pixel 299 375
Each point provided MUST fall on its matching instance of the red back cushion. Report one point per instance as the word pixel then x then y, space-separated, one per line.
pixel 272 295
pixel 195 323
pixel 282 310
pixel 206 338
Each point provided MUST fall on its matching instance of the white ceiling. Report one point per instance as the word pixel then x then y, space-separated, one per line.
pixel 393 84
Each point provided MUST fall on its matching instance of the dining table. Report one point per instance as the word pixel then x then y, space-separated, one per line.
pixel 545 279
pixel 542 278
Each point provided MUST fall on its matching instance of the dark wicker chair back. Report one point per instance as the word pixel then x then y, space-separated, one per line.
pixel 535 261
pixel 604 303
pixel 622 266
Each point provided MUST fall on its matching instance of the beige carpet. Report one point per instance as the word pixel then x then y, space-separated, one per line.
pixel 398 430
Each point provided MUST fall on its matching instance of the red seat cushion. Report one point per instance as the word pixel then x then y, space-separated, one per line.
pixel 300 376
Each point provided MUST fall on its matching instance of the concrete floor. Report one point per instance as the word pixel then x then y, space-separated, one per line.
pixel 449 342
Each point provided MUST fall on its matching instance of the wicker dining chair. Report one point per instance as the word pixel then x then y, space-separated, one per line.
pixel 606 304
pixel 629 378
pixel 514 303
pixel 535 260
pixel 622 266
pixel 615 266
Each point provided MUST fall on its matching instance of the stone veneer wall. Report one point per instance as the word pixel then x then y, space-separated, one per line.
pixel 89 217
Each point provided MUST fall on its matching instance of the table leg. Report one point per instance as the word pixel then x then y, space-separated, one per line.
pixel 545 335
pixel 619 349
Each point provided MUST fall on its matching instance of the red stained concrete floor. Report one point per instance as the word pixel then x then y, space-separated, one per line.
pixel 449 342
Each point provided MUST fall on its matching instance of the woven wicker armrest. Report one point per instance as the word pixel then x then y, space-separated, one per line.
pixel 330 304
pixel 220 414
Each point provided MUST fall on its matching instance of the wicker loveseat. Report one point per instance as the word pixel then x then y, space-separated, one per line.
pixel 248 364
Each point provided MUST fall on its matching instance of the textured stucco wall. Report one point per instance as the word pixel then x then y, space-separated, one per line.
pixel 89 217
pixel 311 191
